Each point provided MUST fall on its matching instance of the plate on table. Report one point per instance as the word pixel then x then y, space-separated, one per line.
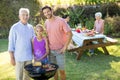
pixel 96 32
pixel 91 34
pixel 73 29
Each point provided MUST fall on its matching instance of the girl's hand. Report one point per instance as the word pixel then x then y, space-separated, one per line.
pixel 38 59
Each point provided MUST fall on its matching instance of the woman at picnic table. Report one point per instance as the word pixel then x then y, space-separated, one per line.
pixel 98 26
pixel 99 23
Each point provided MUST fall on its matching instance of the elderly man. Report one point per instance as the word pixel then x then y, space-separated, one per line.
pixel 20 47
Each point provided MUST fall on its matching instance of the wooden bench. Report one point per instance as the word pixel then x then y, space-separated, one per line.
pixel 88 44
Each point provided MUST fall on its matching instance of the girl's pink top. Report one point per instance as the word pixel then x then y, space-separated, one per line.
pixel 39 48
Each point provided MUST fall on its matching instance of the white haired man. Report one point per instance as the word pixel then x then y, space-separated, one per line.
pixel 20 47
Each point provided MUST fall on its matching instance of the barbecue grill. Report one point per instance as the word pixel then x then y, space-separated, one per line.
pixel 40 73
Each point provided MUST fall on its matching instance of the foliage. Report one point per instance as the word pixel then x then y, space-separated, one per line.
pixel 112 25
pixel 74 2
pixel 90 23
pixel 110 9
pixel 60 11
pixel 108 29
pixel 116 24
pixel 9 13
pixel 113 9
pixel 92 2
pixel 75 13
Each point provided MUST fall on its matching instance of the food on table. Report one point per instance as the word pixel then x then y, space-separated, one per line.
pixel 83 28
pixel 96 32
pixel 86 31
pixel 91 33
pixel 78 30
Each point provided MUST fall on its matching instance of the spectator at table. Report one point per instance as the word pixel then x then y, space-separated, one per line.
pixel 99 23
pixel 98 26
pixel 67 19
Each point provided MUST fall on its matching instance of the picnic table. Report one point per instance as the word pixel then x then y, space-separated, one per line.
pixel 90 42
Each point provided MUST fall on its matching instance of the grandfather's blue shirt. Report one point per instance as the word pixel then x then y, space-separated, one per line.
pixel 20 41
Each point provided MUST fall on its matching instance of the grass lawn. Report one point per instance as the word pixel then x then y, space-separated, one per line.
pixel 97 67
pixel 6 69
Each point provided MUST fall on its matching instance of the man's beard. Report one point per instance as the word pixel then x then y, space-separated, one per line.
pixel 50 16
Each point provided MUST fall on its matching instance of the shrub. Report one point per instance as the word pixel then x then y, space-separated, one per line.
pixel 116 25
pixel 9 13
pixel 60 11
pixel 75 13
pixel 90 23
pixel 112 26
pixel 110 9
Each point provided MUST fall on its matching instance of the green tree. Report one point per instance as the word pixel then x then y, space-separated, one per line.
pixel 9 13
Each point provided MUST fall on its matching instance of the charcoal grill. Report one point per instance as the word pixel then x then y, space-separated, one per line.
pixel 39 73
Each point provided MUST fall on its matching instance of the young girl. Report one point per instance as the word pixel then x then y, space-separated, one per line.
pixel 40 45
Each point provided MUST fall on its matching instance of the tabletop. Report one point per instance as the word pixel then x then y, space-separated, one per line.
pixel 84 42
pixel 78 38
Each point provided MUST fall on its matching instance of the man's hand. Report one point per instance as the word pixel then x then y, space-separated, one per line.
pixel 62 50
pixel 13 61
pixel 12 58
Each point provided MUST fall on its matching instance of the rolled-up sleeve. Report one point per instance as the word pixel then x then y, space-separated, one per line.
pixel 12 40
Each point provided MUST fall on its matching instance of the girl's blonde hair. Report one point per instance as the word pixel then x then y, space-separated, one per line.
pixel 39 25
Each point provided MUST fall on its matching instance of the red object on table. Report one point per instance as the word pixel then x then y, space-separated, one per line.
pixel 78 30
